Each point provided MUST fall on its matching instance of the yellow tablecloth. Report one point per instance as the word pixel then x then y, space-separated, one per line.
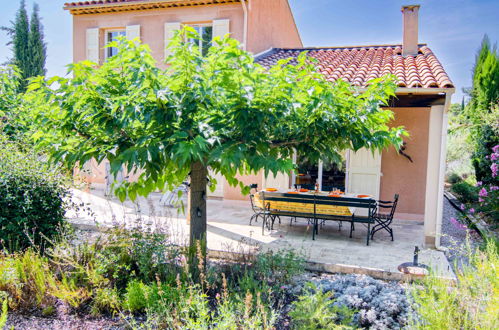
pixel 303 207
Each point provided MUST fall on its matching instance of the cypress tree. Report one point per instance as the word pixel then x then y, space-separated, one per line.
pixel 37 47
pixel 20 42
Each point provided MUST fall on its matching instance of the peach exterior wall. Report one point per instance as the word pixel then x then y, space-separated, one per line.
pixel 152 25
pixel 399 174
pixel 234 193
pixel 271 24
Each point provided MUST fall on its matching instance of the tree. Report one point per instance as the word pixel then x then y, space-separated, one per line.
pixel 221 112
pixel 481 113
pixel 20 37
pixel 28 47
pixel 37 47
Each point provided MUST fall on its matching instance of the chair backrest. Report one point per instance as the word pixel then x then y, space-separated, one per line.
pixel 252 197
pixel 366 203
pixel 392 205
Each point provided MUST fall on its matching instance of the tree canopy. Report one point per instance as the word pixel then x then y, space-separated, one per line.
pixel 221 111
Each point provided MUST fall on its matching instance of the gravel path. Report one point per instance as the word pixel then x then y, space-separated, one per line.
pixel 454 234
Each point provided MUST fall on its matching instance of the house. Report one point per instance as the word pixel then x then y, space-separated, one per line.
pixel 267 29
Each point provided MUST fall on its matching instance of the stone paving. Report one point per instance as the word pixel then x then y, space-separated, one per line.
pixel 229 230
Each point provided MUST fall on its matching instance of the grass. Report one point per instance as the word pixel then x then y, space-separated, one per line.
pixel 473 303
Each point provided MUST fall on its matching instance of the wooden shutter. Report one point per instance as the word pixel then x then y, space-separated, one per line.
pixel 221 27
pixel 132 32
pixel 364 172
pixel 93 45
pixel 170 29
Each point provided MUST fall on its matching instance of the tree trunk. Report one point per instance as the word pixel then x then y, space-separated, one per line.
pixel 197 217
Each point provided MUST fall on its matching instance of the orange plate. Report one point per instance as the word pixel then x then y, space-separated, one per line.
pixel 363 196
pixel 334 195
pixel 303 190
pixel 292 192
pixel 271 189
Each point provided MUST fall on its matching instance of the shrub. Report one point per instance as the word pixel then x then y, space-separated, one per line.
pixel 465 192
pixel 316 310
pixel 136 296
pixel 454 178
pixel 32 198
pixel 472 303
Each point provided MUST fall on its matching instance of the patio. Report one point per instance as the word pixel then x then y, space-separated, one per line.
pixel 229 231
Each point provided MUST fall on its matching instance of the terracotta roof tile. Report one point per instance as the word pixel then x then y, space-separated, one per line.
pixel 358 65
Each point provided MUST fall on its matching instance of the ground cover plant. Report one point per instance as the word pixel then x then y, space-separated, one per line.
pixel 132 273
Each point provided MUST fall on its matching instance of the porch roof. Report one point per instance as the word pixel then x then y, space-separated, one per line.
pixel 359 64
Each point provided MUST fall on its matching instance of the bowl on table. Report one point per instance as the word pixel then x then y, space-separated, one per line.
pixel 304 190
pixel 271 189
pixel 364 196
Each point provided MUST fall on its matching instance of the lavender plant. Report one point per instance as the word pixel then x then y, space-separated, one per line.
pixel 378 304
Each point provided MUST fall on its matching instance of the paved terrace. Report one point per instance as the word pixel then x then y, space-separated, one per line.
pixel 229 231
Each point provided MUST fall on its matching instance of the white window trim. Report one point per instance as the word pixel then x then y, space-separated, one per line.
pixel 194 25
pixel 106 38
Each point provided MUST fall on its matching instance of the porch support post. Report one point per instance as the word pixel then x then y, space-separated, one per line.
pixel 435 171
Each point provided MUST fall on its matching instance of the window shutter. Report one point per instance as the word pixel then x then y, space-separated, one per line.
pixel 93 45
pixel 132 32
pixel 170 29
pixel 220 27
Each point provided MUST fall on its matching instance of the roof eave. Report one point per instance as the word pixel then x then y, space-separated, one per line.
pixel 151 4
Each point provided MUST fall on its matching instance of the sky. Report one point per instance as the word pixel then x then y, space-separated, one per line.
pixel 453 29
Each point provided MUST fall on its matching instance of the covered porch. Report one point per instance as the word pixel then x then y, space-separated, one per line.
pixel 229 233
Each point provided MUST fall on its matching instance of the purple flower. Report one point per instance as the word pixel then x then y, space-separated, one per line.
pixel 483 193
pixel 480 199
pixel 494 157
pixel 462 207
pixel 472 210
pixel 494 188
pixel 495 168
pixel 479 183
pixel 496 148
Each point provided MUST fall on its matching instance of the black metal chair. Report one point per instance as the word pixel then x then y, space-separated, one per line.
pixel 384 220
pixel 258 211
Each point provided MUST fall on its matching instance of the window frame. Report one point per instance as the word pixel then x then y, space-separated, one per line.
pixel 107 41
pixel 200 25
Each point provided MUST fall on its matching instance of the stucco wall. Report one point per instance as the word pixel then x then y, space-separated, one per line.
pixel 235 192
pixel 271 24
pixel 152 25
pixel 399 174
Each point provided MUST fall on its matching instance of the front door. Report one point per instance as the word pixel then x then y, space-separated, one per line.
pixel 364 172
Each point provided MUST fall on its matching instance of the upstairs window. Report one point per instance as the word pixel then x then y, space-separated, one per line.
pixel 204 41
pixel 112 35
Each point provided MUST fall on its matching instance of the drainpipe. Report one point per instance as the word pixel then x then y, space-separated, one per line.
pixel 443 157
pixel 245 28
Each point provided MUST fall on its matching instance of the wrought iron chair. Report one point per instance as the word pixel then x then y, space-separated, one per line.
pixel 384 220
pixel 258 212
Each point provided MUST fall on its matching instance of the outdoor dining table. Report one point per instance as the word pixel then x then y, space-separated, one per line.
pixel 306 208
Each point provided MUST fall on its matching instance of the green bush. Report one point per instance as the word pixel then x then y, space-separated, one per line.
pixel 454 178
pixel 32 198
pixel 466 193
